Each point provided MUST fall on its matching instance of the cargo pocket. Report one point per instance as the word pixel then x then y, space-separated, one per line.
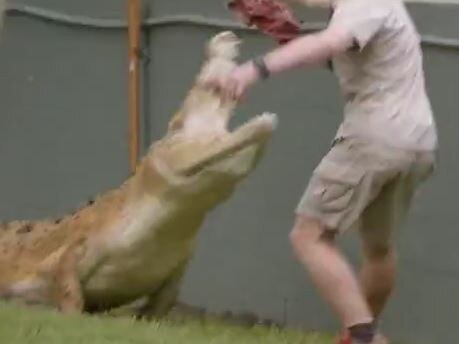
pixel 338 184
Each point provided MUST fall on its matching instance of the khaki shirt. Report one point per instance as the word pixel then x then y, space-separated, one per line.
pixel 382 79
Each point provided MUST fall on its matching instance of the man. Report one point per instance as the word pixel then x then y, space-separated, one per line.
pixel 384 149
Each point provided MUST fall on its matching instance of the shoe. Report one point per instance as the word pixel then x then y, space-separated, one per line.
pixel 378 339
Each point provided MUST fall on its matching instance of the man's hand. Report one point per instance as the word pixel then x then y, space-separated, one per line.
pixel 234 86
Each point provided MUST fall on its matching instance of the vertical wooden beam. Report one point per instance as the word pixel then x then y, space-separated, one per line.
pixel 134 16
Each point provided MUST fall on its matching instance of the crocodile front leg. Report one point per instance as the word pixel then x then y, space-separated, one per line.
pixel 160 302
pixel 66 291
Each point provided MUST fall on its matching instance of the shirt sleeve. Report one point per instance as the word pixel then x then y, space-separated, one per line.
pixel 363 18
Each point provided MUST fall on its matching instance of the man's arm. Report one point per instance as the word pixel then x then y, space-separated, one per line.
pixel 309 50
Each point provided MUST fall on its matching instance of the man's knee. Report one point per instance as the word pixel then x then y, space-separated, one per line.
pixel 306 233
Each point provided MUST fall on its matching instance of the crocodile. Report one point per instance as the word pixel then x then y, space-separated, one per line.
pixel 136 241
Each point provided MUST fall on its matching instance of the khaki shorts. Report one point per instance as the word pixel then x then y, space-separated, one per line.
pixel 361 184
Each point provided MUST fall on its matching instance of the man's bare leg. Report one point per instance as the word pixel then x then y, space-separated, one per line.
pixel 330 272
pixel 378 271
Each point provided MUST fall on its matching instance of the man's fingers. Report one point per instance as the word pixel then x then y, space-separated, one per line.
pixel 240 92
pixel 211 83
pixel 225 90
pixel 236 91
pixel 228 88
pixel 220 85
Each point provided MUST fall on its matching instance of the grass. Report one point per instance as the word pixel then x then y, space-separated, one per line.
pixel 34 326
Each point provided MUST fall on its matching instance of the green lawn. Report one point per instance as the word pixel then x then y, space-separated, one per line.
pixel 33 326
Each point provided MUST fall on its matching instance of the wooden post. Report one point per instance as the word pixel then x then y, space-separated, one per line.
pixel 134 81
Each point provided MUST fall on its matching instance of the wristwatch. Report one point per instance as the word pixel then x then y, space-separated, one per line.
pixel 261 67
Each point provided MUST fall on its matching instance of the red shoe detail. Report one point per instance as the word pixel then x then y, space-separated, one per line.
pixel 345 340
